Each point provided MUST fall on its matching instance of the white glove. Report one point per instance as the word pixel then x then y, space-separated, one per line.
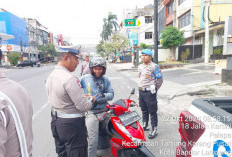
pixel 153 89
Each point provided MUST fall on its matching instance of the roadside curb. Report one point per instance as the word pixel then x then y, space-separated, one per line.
pixel 170 66
pixel 190 91
pixel 219 89
pixel 222 89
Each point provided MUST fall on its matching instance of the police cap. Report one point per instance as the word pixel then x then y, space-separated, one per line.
pixel 147 52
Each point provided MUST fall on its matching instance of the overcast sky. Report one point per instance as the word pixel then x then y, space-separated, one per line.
pixel 81 20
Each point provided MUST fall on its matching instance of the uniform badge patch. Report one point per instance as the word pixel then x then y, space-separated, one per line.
pixel 78 82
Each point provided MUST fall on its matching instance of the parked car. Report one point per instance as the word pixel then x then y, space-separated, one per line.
pixel 27 63
pixel 205 129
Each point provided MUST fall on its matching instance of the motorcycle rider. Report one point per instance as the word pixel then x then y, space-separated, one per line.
pixel 96 84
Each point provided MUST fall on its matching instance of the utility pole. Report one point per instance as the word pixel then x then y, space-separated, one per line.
pixel 156 31
pixel 207 31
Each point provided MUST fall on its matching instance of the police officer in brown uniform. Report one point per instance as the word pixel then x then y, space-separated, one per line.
pixel 69 105
pixel 150 80
pixel 15 119
pixel 85 65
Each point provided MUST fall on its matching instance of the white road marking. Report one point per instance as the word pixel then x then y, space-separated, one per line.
pixel 40 110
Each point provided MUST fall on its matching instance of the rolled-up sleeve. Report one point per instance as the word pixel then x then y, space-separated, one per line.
pixel 159 83
pixel 109 92
pixel 76 93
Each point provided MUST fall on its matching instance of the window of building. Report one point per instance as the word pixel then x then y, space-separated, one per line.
pixel 181 1
pixel 197 40
pixel 148 35
pixel 148 19
pixel 170 7
pixel 185 20
pixel 31 34
pixel 219 37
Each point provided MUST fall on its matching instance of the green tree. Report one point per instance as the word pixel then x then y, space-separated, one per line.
pixel 14 58
pixel 110 25
pixel 171 37
pixel 119 42
pixel 48 49
pixel 108 48
pixel 185 55
pixel 218 51
pixel 144 46
pixel 100 48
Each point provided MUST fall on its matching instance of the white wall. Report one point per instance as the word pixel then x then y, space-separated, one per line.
pixel 188 31
pixel 163 54
pixel 180 10
pixel 184 7
pixel 145 27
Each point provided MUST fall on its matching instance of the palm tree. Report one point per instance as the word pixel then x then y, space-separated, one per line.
pixel 109 23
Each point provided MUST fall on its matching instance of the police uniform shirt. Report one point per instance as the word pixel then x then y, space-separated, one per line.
pixel 9 142
pixel 84 65
pixel 146 76
pixel 86 70
pixel 65 93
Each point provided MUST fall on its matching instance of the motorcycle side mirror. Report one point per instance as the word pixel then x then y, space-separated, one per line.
pixel 133 91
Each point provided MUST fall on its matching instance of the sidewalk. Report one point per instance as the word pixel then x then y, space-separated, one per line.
pixel 172 89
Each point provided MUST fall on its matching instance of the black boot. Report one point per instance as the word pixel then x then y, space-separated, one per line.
pixel 145 126
pixel 153 132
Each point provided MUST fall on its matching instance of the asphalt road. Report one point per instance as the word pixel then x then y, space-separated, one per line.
pixel 33 79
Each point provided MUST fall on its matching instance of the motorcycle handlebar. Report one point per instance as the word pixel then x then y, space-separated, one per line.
pixel 101 101
pixel 133 104
pixel 100 111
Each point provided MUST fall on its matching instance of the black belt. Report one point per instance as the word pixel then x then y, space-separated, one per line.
pixel 144 89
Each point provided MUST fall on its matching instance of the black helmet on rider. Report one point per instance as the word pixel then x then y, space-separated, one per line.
pixel 97 62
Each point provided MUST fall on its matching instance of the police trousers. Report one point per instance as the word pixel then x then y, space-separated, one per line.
pixel 70 136
pixel 148 105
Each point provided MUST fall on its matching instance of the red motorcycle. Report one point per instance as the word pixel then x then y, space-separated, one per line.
pixel 120 130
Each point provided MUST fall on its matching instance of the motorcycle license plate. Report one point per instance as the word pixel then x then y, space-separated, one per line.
pixel 129 118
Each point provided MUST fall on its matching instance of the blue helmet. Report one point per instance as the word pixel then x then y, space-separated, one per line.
pixel 147 52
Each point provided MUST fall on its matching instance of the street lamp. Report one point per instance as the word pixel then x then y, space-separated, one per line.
pixel 156 31
pixel 207 31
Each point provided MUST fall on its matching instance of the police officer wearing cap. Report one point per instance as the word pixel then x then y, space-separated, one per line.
pixel 69 105
pixel 150 80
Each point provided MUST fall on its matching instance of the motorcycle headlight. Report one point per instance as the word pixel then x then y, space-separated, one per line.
pixel 124 130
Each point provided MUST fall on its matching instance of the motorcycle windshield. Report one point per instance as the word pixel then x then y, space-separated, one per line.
pixel 120 102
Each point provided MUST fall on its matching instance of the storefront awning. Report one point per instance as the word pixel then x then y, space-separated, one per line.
pixel 6 36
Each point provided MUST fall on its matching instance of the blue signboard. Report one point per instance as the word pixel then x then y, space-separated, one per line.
pixel 12 25
pixel 133 39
